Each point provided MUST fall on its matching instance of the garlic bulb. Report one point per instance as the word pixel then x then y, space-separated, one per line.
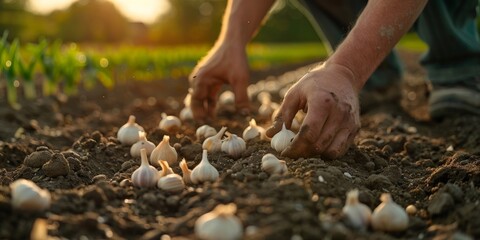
pixel 214 143
pixel 253 131
pixel 233 145
pixel 389 216
pixel 171 183
pixel 164 151
pixel 142 143
pixel 146 175
pixel 226 98
pixel 169 123
pixel 26 195
pixel 264 97
pixel 166 169
pixel 282 139
pixel 267 108
pixel 205 131
pixel 358 213
pixel 186 172
pixel 128 133
pixel 219 224
pixel 273 165
pixel 204 171
pixel 186 114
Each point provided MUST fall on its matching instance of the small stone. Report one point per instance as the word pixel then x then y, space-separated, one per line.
pixel 450 148
pixel 378 181
pixel 126 183
pixel 57 166
pixel 38 158
pixel 411 209
pixel 99 177
pixel 348 175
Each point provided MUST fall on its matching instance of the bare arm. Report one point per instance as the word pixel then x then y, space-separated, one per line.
pixel 377 31
pixel 329 92
pixel 226 62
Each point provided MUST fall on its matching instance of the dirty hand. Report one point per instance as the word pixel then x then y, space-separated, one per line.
pixel 330 100
pixel 224 64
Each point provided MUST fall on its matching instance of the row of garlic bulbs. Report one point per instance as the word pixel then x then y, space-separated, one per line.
pixel 147 176
pixel 386 217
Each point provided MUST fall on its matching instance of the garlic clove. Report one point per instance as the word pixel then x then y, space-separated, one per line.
pixel 169 123
pixel 205 131
pixel 26 195
pixel 142 143
pixel 166 169
pixel 282 139
pixel 233 145
pixel 186 114
pixel 389 216
pixel 226 98
pixel 164 151
pixel 214 143
pixel 358 214
pixel 128 134
pixel 145 176
pixel 186 172
pixel 264 96
pixel 204 171
pixel 171 183
pixel 272 165
pixel 221 223
pixel 253 131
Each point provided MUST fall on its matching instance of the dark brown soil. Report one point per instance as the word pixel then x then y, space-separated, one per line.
pixel 432 165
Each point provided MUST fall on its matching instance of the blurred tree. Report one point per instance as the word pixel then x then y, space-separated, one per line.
pixel 92 20
pixel 12 17
pixel 192 21
pixel 199 21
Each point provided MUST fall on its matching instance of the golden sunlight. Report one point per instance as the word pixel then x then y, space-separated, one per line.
pixel 136 10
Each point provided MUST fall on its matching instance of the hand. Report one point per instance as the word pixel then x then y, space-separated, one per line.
pixel 224 64
pixel 332 120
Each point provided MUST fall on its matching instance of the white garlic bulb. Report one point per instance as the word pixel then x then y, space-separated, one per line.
pixel 166 169
pixel 226 98
pixel 253 131
pixel 219 224
pixel 169 123
pixel 186 114
pixel 282 139
pixel 164 151
pixel 142 143
pixel 171 183
pixel 264 97
pixel 128 133
pixel 145 175
pixel 186 172
pixel 204 171
pixel 214 143
pixel 233 145
pixel 26 195
pixel 358 213
pixel 267 108
pixel 273 165
pixel 389 216
pixel 205 131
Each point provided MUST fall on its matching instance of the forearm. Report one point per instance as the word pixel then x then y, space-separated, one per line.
pixel 376 32
pixel 241 20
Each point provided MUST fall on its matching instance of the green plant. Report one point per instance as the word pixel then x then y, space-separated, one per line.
pixel 10 75
pixel 26 70
pixel 49 60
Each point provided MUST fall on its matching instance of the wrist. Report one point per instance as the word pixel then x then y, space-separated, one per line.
pixel 347 73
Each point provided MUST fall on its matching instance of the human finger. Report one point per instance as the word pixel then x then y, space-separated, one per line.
pixel 242 102
pixel 289 107
pixel 339 145
pixel 304 142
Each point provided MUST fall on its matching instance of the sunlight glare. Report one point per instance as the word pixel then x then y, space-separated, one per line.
pixel 145 11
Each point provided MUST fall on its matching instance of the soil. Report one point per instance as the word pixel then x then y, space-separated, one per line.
pixel 69 146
